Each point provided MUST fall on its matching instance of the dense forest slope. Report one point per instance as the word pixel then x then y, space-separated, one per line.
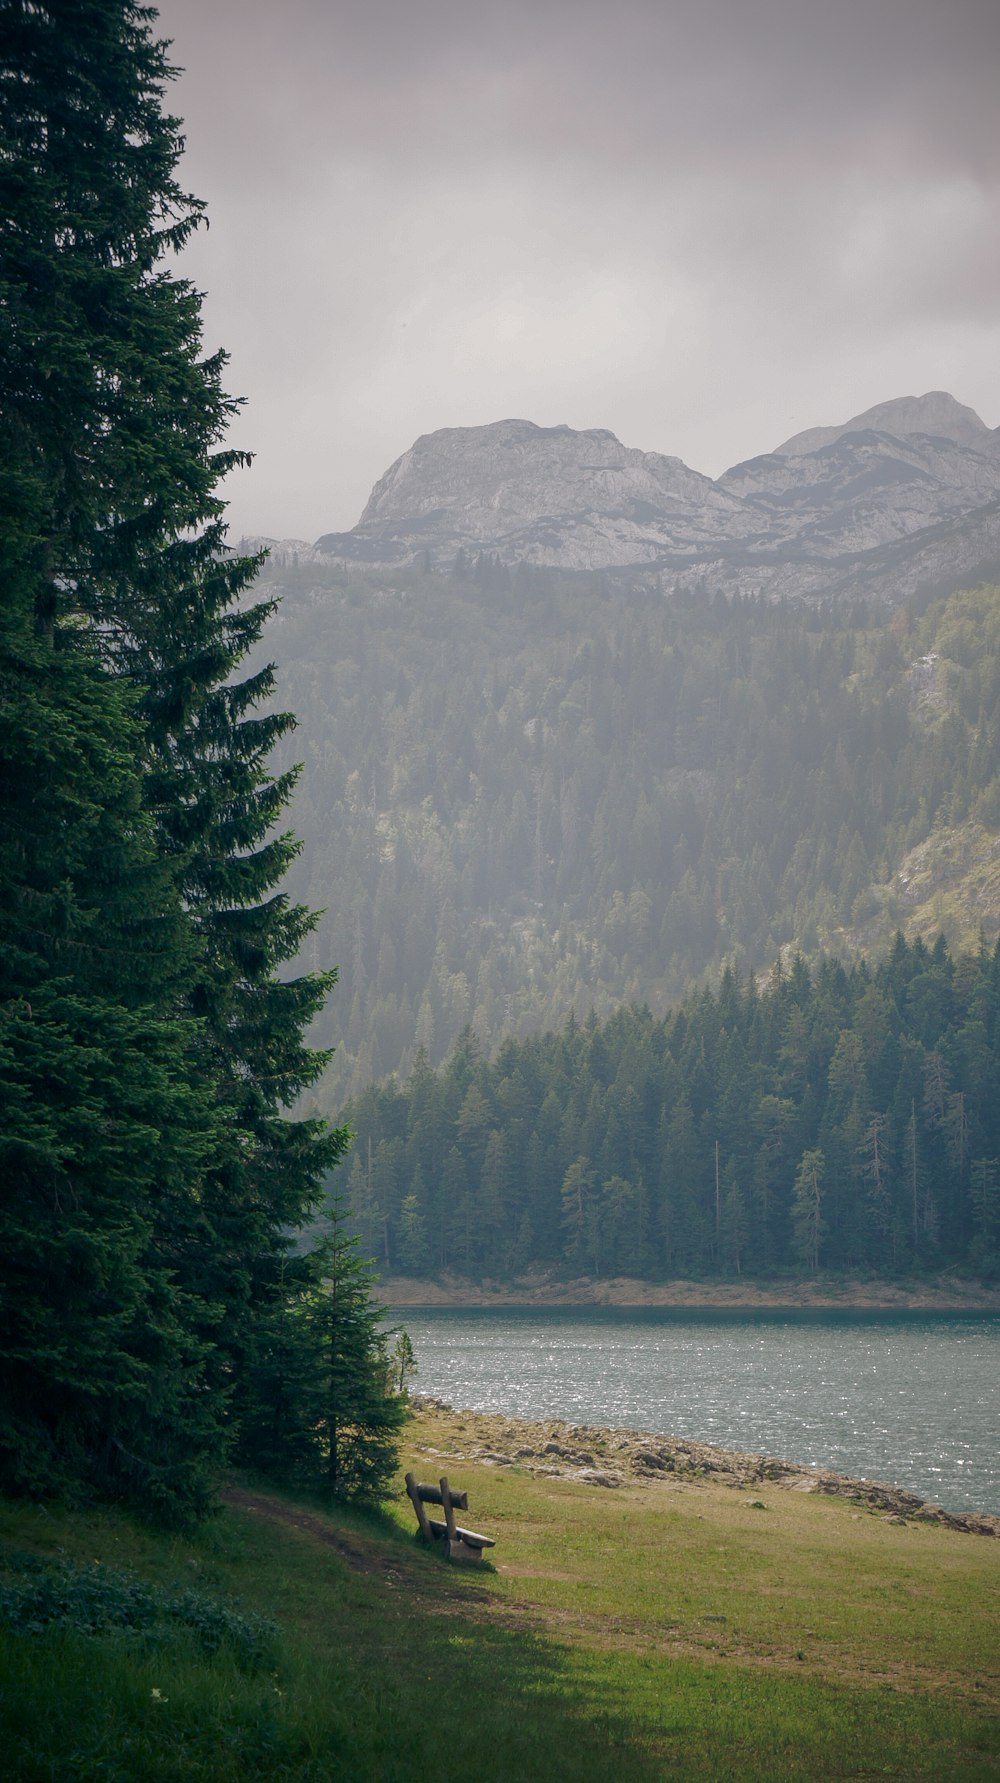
pixel 840 1120
pixel 525 795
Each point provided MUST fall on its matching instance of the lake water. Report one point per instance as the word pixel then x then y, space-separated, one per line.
pixel 909 1398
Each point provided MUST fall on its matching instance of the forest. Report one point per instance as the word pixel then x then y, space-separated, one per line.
pixel 839 1119
pixel 525 794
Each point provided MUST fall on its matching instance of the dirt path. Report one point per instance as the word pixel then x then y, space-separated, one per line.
pixel 368 1558
pixel 358 1555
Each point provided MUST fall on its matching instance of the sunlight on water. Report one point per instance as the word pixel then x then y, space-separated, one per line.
pixel 910 1399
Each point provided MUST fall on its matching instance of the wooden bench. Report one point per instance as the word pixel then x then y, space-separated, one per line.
pixel 460 1544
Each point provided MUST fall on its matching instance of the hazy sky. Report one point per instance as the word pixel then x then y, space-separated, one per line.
pixel 704 224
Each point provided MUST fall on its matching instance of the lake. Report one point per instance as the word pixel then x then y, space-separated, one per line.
pixel 909 1398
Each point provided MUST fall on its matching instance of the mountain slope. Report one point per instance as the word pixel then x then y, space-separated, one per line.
pixel 529 794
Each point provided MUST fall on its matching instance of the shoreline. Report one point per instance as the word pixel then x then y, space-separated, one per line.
pixel 609 1456
pixel 941 1294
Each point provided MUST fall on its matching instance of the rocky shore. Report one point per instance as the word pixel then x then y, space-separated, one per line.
pixel 943 1293
pixel 611 1458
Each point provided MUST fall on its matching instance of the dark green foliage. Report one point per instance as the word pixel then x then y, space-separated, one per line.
pixel 151 1041
pixel 106 1128
pixel 36 1595
pixel 808 1223
pixel 834 1120
pixel 114 421
pixel 361 1414
pixel 325 1399
pixel 402 1360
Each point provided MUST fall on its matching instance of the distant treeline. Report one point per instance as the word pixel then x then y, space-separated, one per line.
pixel 834 1119
pixel 525 795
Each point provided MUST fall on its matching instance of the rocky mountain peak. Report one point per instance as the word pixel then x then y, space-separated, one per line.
pixel 512 473
pixel 937 413
pixel 905 495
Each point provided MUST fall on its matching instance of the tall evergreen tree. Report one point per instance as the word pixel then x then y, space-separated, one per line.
pixel 357 1410
pixel 106 1126
pixel 112 422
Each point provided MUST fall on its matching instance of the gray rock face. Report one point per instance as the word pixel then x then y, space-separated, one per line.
pixel 502 481
pixel 937 413
pixel 904 495
pixel 281 552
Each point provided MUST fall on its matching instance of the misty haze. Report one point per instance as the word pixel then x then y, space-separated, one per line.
pixel 499 890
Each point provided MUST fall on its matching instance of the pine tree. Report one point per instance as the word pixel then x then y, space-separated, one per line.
pixel 807 1209
pixel 414 1251
pixel 403 1359
pixel 121 419
pixel 985 1189
pixel 106 1130
pixel 578 1209
pixel 112 424
pixel 357 1411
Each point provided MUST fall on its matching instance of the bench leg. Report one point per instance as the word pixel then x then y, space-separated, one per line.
pixel 459 1550
pixel 422 1517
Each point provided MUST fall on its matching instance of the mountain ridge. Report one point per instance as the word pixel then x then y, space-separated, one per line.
pixel 936 412
pixel 812 517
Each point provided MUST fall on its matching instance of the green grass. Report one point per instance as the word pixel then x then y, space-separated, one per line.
pixel 641 1633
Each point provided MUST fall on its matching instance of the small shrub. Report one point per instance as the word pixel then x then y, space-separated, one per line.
pixel 92 1600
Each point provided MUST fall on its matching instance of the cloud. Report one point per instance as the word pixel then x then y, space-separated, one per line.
pixel 703 226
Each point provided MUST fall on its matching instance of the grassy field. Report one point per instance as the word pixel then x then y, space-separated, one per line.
pixel 654 1630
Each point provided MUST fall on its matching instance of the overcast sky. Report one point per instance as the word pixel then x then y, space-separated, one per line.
pixel 704 224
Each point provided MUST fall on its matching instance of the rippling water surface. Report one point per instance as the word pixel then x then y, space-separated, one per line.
pixel 913 1399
